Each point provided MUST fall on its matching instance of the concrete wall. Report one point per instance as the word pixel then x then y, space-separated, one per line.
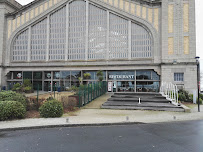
pixel 4 9
pixel 190 75
pixel 178 23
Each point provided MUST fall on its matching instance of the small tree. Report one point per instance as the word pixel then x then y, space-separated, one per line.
pixel 80 80
pixel 27 83
pixel 100 75
pixel 87 75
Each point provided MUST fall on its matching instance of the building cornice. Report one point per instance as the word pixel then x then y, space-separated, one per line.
pixel 12 3
pixel 35 2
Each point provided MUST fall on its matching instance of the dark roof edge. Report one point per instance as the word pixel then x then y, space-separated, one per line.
pixel 149 2
pixel 25 7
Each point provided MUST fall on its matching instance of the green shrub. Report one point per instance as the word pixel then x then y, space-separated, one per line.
pixel 191 97
pixel 50 98
pixel 51 109
pixel 13 96
pixel 17 87
pixel 201 96
pixel 183 95
pixel 11 110
pixel 100 75
pixel 87 75
pixel 74 88
pixel 27 89
pixel 200 100
pixel 27 83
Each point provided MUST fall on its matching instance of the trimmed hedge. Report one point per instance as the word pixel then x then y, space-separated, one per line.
pixel 51 109
pixel 13 96
pixel 11 110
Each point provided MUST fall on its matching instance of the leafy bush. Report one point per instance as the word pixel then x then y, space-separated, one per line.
pixel 27 89
pixel 87 75
pixel 13 96
pixel 11 110
pixel 27 83
pixel 181 97
pixel 50 98
pixel 200 100
pixel 191 97
pixel 100 75
pixel 201 96
pixel 17 87
pixel 74 88
pixel 51 109
pixel 184 95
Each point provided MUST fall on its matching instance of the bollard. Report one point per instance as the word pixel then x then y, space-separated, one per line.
pixel 127 118
pixel 139 101
pixel 67 120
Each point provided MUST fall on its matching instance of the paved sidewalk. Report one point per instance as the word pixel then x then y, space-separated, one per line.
pixel 91 115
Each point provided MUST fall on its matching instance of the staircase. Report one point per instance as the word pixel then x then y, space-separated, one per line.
pixel 148 101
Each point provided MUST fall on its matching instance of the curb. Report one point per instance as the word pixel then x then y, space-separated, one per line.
pixel 71 125
pixel 187 110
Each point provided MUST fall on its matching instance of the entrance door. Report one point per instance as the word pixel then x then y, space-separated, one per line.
pixel 47 86
pixel 126 86
pixel 114 86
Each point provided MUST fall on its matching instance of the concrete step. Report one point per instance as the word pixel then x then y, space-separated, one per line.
pixel 143 108
pixel 137 96
pixel 138 93
pixel 137 99
pixel 145 104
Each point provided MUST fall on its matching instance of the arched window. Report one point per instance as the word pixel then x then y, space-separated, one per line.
pixel 39 41
pixel 20 47
pixel 72 41
pixel 77 30
pixel 141 42
pixel 57 40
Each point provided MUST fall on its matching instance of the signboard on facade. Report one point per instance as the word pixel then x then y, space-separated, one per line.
pixel 19 75
pixel 121 76
pixel 109 86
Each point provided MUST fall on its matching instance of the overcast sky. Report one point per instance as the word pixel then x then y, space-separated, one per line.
pixel 199 24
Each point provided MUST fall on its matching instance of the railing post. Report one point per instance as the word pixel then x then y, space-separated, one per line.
pixel 91 91
pixel 79 98
pixel 84 94
pixel 88 92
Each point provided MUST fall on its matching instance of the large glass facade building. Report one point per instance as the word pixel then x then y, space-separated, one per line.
pixel 138 44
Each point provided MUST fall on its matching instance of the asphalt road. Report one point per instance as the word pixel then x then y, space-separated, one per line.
pixel 160 137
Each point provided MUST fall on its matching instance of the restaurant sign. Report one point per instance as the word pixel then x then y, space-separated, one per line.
pixel 121 76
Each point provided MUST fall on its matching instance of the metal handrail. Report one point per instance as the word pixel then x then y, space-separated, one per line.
pixel 170 91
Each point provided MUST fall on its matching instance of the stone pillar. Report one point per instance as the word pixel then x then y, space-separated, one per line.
pixel 107 37
pixel 129 40
pixel 87 30
pixel 67 30
pixel 48 35
pixel 29 45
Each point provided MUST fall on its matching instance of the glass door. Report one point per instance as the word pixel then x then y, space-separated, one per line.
pixel 47 85
pixel 126 86
pixel 114 86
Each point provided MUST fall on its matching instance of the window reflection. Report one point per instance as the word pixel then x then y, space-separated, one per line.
pixel 144 86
